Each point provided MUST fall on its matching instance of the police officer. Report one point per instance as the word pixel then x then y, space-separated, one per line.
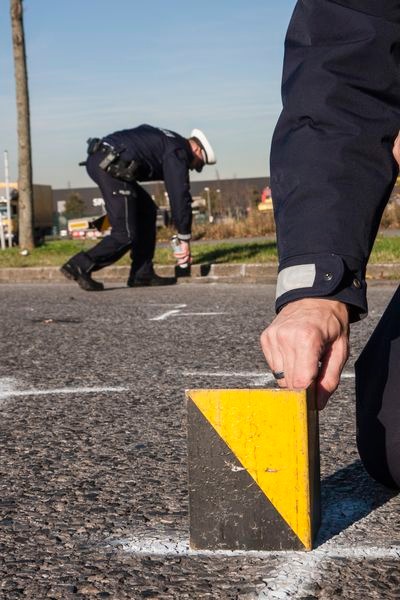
pixel 116 163
pixel 332 171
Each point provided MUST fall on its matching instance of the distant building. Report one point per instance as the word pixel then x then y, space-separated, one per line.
pixel 227 194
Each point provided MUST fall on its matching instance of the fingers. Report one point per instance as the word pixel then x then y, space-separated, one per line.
pixel 183 256
pixel 273 356
pixel 306 334
pixel 294 351
pixel 331 368
pixel 396 148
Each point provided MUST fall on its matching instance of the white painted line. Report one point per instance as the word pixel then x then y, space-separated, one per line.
pixel 177 312
pixel 167 304
pixel 296 575
pixel 297 571
pixel 77 390
pixel 8 389
pixel 258 376
pixel 7 385
pixel 244 374
pixel 200 314
pixel 166 545
pixel 166 315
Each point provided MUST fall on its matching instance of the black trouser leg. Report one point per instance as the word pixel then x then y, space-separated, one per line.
pixel 378 398
pixel 121 205
pixel 144 240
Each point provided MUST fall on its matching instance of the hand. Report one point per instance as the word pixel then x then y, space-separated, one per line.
pixel 183 257
pixel 396 148
pixel 304 334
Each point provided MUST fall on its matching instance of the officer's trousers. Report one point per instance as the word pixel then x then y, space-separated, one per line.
pixel 378 398
pixel 132 214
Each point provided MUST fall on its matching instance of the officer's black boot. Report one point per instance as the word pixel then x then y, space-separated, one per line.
pixel 74 270
pixel 146 276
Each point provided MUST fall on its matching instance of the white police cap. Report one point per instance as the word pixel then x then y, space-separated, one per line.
pixel 207 150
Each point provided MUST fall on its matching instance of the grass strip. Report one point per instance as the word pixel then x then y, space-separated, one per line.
pixel 55 253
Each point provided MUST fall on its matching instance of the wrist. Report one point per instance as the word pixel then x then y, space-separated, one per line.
pixel 184 237
pixel 340 309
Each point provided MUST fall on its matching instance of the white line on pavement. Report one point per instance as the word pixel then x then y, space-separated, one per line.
pixel 166 315
pixel 177 312
pixel 77 390
pixel 200 314
pixel 167 304
pixel 177 308
pixel 8 389
pixel 165 545
pixel 256 375
pixel 295 574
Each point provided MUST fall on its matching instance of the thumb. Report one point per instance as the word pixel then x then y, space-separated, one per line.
pixel 396 148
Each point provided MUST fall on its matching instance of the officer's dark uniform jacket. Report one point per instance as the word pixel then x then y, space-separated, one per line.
pixel 332 168
pixel 162 155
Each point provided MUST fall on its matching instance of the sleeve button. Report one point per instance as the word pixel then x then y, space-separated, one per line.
pixel 328 276
pixel 357 283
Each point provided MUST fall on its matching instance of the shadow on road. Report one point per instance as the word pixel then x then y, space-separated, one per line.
pixel 348 496
pixel 228 254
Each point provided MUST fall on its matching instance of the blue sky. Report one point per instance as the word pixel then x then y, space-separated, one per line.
pixel 97 66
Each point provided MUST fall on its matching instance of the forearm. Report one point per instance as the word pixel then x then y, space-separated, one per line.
pixel 178 187
pixel 332 168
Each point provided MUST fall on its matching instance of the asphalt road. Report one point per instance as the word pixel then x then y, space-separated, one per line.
pixel 93 486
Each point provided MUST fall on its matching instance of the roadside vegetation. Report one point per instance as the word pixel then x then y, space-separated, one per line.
pixel 229 242
pixel 255 225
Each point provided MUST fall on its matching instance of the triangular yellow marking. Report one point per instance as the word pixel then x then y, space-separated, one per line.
pixel 267 431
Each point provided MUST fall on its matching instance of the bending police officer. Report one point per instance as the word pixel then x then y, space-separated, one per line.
pixel 117 162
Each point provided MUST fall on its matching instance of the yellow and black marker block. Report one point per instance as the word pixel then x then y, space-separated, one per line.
pixel 253 469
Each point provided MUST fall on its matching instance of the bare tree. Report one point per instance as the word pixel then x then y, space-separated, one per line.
pixel 25 187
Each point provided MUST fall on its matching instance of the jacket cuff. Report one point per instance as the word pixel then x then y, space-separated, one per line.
pixel 185 237
pixel 322 276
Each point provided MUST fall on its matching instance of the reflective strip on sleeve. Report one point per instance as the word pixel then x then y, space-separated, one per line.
pixel 293 278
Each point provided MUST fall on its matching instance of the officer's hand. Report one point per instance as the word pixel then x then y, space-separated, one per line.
pixel 396 148
pixel 183 257
pixel 305 333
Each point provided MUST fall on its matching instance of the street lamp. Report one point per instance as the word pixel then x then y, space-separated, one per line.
pixel 210 217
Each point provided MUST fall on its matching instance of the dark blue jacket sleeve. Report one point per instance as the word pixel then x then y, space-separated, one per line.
pixel 176 179
pixel 332 168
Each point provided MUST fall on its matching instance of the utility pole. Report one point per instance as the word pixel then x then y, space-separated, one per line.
pixel 25 186
pixel 210 217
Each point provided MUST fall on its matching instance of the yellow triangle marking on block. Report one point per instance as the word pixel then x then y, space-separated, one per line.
pixel 267 431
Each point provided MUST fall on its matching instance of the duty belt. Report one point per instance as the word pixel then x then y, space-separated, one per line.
pixel 112 163
pixel 96 145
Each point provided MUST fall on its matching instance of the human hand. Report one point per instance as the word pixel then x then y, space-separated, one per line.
pixel 396 148
pixel 309 341
pixel 183 257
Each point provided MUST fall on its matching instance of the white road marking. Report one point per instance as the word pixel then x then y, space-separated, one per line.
pixel 167 304
pixel 177 312
pixel 166 545
pixel 295 574
pixel 177 308
pixel 166 315
pixel 72 390
pixel 7 385
pixel 257 376
pixel 200 314
pixel 9 389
